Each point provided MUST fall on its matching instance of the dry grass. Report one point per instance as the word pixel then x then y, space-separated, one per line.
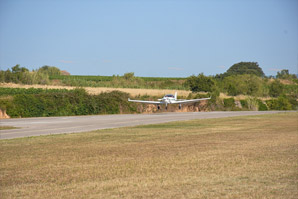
pixel 242 97
pixel 240 157
pixel 98 90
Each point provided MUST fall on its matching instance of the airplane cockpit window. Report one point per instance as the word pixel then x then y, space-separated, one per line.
pixel 169 96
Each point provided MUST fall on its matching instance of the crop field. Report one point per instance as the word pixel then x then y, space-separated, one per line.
pixel 92 90
pixel 108 78
pixel 17 91
pixel 126 81
pixel 238 157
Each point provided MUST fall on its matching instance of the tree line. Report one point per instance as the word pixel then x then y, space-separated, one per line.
pixel 21 75
pixel 243 78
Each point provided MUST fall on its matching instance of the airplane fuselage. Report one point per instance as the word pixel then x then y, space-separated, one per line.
pixel 168 99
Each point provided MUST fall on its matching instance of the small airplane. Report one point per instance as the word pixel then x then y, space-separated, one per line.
pixel 169 99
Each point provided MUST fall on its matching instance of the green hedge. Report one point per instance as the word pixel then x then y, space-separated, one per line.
pixel 77 102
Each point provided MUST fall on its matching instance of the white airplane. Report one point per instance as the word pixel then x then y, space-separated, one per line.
pixel 169 99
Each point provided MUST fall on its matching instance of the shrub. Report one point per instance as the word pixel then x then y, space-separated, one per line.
pixel 244 103
pixel 229 103
pixel 262 106
pixel 200 83
pixel 281 103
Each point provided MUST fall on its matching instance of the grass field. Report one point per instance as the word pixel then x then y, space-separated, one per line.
pixel 240 157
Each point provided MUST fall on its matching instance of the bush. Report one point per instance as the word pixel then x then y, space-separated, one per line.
pixel 200 83
pixel 281 103
pixel 262 106
pixel 244 104
pixel 229 103
pixel 243 84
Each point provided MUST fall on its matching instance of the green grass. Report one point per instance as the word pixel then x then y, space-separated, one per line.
pixel 7 127
pixel 239 157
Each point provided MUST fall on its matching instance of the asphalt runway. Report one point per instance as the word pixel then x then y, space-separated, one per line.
pixel 57 125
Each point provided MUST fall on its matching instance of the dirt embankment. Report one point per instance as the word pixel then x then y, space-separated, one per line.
pixel 195 107
pixel 3 114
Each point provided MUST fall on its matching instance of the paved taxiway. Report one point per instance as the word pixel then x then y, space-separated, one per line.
pixel 57 125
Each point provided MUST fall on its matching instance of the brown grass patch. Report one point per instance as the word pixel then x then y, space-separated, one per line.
pixel 242 97
pixel 240 157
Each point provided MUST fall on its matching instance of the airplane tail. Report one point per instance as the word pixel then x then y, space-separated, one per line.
pixel 175 95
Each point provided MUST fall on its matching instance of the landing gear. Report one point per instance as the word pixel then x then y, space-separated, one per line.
pixel 180 106
pixel 158 107
pixel 166 106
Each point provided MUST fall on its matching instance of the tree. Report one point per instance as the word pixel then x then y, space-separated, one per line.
pixel 49 70
pixel 284 74
pixel 245 68
pixel 243 84
pixel 129 76
pixel 200 83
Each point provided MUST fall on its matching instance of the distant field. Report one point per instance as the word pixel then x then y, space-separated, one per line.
pixel 126 81
pixel 108 78
pixel 97 90
pixel 240 157
pixel 16 91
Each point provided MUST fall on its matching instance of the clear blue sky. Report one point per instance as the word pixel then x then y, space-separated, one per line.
pixel 151 38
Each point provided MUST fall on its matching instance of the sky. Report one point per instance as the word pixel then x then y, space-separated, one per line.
pixel 152 38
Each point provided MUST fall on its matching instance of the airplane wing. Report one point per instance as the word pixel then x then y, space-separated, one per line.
pixel 145 102
pixel 189 101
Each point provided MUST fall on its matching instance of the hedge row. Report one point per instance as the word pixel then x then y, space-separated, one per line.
pixel 77 102
pixel 254 104
pixel 44 103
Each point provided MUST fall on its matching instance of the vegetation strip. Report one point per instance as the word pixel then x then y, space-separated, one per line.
pixel 245 78
pixel 7 127
pixel 243 157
